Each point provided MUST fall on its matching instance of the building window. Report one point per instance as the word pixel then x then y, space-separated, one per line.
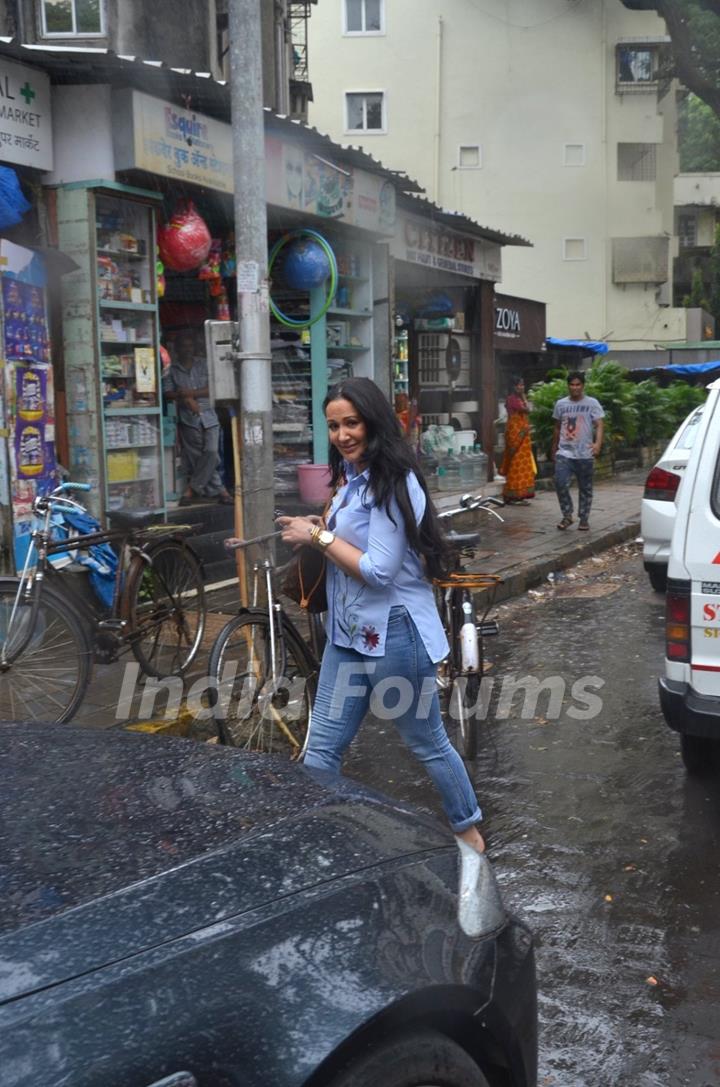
pixel 574 154
pixel 365 111
pixel 72 18
pixel 637 63
pixel 574 249
pixel 363 16
pixel 636 162
pixel 687 231
pixel 469 156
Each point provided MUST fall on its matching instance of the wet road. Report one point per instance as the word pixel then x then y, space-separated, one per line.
pixel 599 838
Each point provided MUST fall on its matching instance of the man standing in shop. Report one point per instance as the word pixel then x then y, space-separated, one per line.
pixel 577 441
pixel 186 381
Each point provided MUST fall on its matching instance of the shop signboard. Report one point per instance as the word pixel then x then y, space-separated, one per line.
pixel 519 324
pixel 299 178
pixel 25 119
pixel 431 245
pixel 154 135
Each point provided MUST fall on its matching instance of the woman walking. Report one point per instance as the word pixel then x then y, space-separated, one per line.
pixel 518 464
pixel 384 635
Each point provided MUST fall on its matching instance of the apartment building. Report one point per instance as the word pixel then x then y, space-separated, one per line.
pixel 184 33
pixel 549 118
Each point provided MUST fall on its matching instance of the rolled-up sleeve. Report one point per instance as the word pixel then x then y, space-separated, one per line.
pixel 388 542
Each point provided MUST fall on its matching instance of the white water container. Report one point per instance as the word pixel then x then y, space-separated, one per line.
pixel 469 643
pixel 463 438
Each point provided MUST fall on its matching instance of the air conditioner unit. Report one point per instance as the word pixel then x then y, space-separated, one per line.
pixel 442 357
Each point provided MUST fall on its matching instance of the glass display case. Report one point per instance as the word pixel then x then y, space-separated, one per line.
pixel 112 364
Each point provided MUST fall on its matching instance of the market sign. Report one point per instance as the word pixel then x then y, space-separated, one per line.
pixel 153 135
pixel 25 119
pixel 430 245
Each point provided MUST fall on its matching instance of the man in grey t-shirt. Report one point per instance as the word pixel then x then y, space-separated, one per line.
pixel 577 441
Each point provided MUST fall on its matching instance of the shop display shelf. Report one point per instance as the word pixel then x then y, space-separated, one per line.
pixel 136 410
pixel 135 479
pixel 124 254
pixel 348 347
pixel 349 312
pixel 128 343
pixel 141 307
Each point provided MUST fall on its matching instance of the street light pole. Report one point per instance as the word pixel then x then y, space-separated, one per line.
pixel 248 129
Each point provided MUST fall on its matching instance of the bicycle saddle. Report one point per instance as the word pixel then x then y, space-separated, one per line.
pixel 462 539
pixel 123 519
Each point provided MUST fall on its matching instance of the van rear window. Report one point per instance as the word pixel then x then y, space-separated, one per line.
pixel 687 438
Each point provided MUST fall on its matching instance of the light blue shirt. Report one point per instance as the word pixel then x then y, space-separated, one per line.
pixel 392 573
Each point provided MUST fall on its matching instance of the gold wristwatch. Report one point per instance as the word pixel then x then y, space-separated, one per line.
pixel 322 537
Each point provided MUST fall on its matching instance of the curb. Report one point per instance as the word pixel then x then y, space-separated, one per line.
pixel 518 580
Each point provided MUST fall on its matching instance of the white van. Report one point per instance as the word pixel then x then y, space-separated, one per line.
pixel 690 688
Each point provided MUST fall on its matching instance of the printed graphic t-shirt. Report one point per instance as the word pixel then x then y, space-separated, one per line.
pixel 576 425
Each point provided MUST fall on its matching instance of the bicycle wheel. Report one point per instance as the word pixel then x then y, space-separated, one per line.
pixel 164 603
pixel 48 680
pixel 464 699
pixel 252 710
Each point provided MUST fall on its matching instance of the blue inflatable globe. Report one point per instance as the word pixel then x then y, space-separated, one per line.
pixel 304 265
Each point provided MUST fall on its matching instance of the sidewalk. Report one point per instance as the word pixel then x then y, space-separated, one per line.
pixel 529 546
pixel 523 551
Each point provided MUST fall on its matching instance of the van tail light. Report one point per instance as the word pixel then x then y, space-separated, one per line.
pixel 662 485
pixel 677 621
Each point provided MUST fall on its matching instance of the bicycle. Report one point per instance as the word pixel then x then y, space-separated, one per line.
pixel 265 674
pixel 460 674
pixel 52 627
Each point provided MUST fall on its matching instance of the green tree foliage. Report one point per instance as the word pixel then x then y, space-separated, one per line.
pixel 698 136
pixel 694 27
pixel 714 277
pixel 698 292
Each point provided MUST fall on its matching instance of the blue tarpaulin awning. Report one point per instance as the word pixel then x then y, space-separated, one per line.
pixel 590 347
pixel 690 368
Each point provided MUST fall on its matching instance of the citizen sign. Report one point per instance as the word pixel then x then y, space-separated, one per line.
pixel 507 321
pixel 440 243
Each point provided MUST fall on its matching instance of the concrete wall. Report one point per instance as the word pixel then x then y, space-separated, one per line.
pixel 520 78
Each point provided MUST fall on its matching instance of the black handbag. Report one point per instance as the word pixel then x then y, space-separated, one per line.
pixel 305 579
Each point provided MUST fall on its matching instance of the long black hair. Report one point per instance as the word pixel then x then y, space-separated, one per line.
pixel 389 458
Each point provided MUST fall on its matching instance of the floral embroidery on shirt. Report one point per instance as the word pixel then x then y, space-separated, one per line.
pixel 370 637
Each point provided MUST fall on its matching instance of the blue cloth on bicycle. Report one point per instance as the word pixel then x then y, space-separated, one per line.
pixel 393 575
pixel 100 558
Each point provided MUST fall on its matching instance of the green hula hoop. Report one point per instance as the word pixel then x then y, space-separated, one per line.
pixel 301 232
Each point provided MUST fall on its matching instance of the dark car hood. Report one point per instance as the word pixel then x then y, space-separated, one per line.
pixel 112 843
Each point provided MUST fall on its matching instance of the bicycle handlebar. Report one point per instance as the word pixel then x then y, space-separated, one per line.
pixel 470 502
pixel 232 544
pixel 68 485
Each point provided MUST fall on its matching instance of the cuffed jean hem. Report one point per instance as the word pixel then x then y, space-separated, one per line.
pixel 458 828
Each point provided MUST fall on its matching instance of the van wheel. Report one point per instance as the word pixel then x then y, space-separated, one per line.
pixel 698 754
pixel 426 1058
pixel 658 578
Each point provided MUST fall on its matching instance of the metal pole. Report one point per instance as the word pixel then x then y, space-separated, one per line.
pixel 255 407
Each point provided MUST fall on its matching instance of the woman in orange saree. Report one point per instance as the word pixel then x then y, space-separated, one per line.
pixel 518 464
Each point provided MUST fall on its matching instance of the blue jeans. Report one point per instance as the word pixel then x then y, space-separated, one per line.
pixel 565 469
pixel 400 686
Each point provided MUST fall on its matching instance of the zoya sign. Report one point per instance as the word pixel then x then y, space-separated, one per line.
pixel 507 321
